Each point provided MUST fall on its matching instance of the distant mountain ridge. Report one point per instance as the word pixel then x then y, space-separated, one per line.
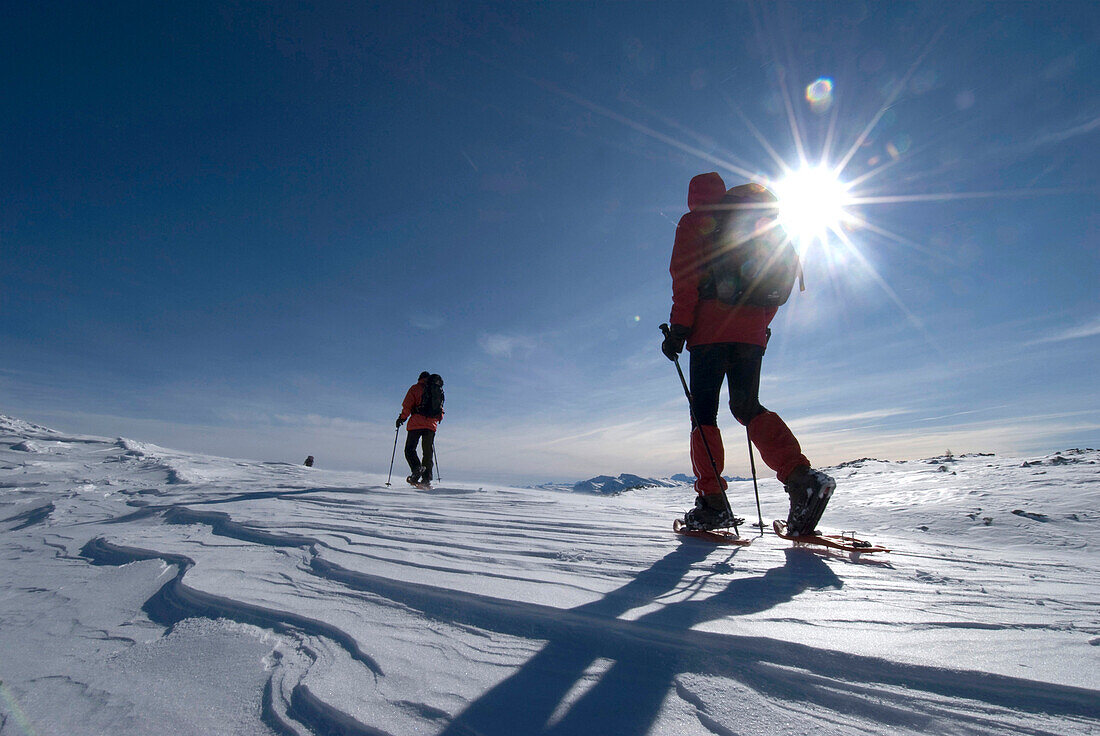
pixel 607 485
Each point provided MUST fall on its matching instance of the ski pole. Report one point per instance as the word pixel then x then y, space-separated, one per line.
pixel 436 456
pixel 702 436
pixel 395 433
pixel 755 490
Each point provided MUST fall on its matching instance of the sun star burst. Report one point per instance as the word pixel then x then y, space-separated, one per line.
pixel 812 203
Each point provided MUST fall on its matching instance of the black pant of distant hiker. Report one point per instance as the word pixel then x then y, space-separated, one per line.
pixel 426 436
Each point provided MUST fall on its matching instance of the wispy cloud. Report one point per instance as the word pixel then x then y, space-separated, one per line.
pixel 541 450
pixel 1073 131
pixel 1023 434
pixel 426 322
pixel 1086 329
pixel 611 430
pixel 968 412
pixel 506 346
pixel 650 441
pixel 848 418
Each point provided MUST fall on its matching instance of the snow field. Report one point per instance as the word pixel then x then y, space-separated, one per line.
pixel 145 590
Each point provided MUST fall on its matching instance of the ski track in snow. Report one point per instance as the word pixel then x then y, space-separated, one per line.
pixel 150 591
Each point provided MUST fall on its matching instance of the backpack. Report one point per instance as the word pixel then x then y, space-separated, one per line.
pixel 431 400
pixel 742 268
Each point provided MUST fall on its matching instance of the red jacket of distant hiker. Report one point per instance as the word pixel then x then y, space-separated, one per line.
pixel 408 406
pixel 711 321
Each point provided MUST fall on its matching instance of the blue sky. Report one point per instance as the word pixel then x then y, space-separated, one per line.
pixel 245 228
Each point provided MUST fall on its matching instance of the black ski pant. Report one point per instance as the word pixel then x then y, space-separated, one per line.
pixel 427 436
pixel 739 364
pixel 735 362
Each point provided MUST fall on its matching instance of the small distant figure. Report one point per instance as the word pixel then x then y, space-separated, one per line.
pixel 309 461
pixel 424 404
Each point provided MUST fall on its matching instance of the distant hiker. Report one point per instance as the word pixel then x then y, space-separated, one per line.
pixel 309 461
pixel 424 404
pixel 723 300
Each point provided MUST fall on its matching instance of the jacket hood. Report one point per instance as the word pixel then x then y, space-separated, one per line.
pixel 705 189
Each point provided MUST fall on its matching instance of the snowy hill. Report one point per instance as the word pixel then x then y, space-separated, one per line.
pixel 612 485
pixel 625 482
pixel 608 485
pixel 149 591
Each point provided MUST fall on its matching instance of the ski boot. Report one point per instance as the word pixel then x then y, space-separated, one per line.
pixel 711 511
pixel 810 491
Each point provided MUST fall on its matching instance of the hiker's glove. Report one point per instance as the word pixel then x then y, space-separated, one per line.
pixel 674 341
pixel 400 421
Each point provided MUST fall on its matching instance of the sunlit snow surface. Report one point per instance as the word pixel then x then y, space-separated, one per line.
pixel 147 591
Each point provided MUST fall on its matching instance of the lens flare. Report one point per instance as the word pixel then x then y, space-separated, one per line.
pixel 811 203
pixel 820 94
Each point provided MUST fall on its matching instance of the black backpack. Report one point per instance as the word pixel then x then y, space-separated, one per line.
pixel 431 401
pixel 744 267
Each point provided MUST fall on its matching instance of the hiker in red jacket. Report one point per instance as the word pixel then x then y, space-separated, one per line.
pixel 726 342
pixel 423 407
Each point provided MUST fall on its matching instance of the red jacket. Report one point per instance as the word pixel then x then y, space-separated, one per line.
pixel 412 400
pixel 710 320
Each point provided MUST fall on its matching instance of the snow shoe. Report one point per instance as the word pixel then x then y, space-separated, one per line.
pixel 423 484
pixel 711 511
pixel 810 491
pixel 846 541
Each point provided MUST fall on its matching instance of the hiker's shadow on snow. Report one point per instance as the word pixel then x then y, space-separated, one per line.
pixel 602 680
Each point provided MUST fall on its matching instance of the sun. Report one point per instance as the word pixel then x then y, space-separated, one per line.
pixel 812 203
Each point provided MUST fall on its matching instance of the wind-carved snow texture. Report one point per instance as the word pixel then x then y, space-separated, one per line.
pixel 144 590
